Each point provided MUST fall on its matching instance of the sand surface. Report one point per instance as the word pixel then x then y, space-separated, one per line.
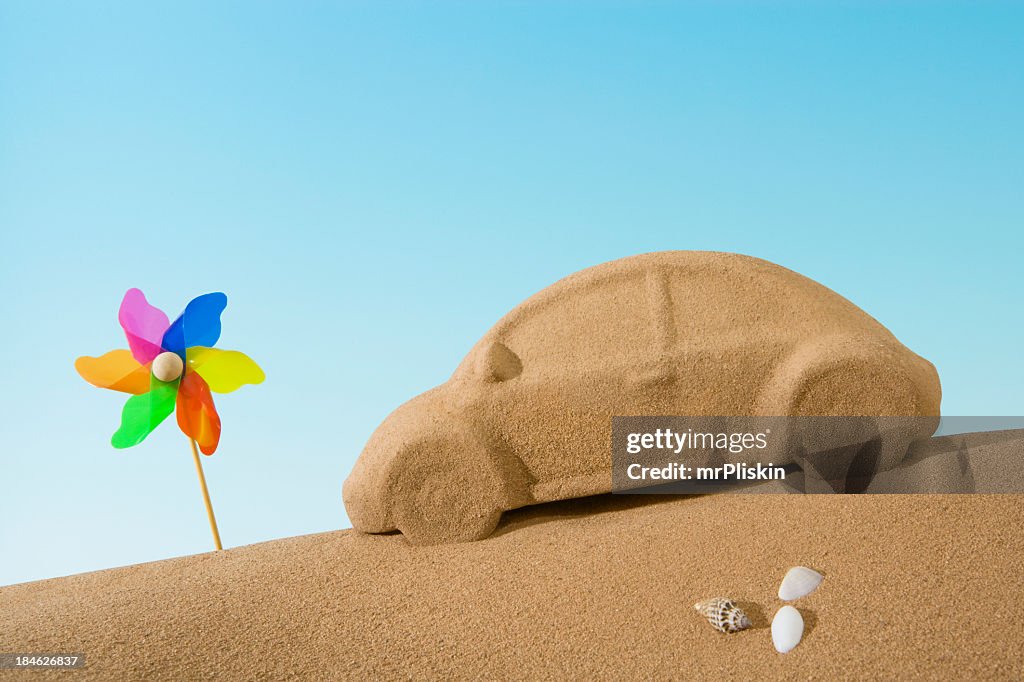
pixel 916 586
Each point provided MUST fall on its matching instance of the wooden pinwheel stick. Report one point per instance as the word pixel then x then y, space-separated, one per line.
pixel 206 495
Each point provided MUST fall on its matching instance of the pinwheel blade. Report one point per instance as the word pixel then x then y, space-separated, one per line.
pixel 197 415
pixel 143 413
pixel 117 370
pixel 199 325
pixel 144 325
pixel 224 370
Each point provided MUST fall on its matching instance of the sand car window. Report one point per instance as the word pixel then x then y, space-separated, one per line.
pixel 613 317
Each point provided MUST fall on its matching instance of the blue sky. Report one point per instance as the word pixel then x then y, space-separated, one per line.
pixel 375 184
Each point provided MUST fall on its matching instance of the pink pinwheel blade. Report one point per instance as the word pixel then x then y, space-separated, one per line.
pixel 143 324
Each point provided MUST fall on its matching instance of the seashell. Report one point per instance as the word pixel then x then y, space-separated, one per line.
pixel 800 581
pixel 787 629
pixel 723 614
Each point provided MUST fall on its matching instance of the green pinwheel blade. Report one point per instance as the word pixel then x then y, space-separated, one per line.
pixel 143 413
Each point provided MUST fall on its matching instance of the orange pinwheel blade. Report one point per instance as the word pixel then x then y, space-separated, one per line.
pixel 197 416
pixel 117 370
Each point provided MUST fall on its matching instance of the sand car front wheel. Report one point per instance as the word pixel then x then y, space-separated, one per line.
pixel 448 491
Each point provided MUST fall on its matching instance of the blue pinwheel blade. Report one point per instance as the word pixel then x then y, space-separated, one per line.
pixel 199 325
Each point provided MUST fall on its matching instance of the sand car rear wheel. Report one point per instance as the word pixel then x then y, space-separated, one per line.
pixel 873 443
pixel 449 490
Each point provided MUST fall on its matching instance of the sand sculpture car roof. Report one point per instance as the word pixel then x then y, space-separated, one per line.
pixel 526 416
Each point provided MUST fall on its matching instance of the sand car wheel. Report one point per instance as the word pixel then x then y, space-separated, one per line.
pixel 857 389
pixel 448 491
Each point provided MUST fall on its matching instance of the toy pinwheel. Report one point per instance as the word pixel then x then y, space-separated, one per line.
pixel 172 366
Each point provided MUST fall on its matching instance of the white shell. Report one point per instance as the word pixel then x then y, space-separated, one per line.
pixel 723 614
pixel 800 581
pixel 787 629
pixel 167 366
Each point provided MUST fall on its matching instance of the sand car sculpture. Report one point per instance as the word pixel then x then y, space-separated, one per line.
pixel 526 417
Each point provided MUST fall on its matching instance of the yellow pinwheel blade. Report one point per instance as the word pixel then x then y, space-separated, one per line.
pixel 224 370
pixel 116 370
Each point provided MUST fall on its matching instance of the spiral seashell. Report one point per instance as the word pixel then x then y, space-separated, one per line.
pixel 723 614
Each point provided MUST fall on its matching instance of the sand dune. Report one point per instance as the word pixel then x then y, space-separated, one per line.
pixel 916 586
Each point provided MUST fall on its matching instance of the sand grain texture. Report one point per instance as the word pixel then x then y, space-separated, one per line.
pixel 916 587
